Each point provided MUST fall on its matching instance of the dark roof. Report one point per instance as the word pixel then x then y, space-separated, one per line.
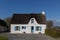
pixel 3 23
pixel 25 18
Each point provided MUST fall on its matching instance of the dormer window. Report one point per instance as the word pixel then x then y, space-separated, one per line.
pixel 32 20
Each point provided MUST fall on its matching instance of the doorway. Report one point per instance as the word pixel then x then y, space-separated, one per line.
pixel 32 29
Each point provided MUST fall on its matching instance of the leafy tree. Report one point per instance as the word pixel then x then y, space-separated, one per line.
pixel 49 24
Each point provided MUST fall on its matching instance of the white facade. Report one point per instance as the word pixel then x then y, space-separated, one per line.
pixel 31 27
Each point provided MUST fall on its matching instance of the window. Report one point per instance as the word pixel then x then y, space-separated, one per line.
pixel 17 28
pixel 37 28
pixel 32 20
pixel 40 28
pixel 23 27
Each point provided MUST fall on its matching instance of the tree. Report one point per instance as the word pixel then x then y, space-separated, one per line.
pixel 8 21
pixel 49 24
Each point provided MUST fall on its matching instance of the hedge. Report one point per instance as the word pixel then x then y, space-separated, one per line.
pixel 52 32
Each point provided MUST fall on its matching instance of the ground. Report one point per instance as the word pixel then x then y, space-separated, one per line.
pixel 27 36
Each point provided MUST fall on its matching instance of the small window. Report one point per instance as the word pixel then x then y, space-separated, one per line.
pixel 32 20
pixel 23 27
pixel 17 28
pixel 37 28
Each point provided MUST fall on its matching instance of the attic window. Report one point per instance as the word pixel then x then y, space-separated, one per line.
pixel 32 20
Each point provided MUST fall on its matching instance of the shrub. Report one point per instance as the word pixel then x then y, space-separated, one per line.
pixel 58 33
pixel 52 32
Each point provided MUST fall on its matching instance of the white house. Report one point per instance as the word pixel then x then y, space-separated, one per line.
pixel 28 23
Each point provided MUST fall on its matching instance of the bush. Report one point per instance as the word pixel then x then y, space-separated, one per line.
pixel 3 38
pixel 58 33
pixel 53 32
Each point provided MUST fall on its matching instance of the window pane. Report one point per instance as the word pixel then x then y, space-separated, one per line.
pixel 17 28
pixel 32 20
pixel 37 28
pixel 23 27
pixel 40 28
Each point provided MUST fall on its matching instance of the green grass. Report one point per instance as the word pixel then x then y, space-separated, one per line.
pixel 52 32
pixel 3 38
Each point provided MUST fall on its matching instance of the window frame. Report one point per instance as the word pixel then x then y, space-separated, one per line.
pixel 37 28
pixel 23 27
pixel 32 20
pixel 17 28
pixel 40 28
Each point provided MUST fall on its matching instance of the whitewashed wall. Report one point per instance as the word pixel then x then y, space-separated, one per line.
pixel 28 27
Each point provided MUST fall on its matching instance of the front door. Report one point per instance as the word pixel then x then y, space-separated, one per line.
pixel 32 29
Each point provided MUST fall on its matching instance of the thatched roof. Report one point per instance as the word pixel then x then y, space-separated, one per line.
pixel 25 18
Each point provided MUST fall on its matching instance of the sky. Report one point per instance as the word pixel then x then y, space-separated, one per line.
pixel 9 7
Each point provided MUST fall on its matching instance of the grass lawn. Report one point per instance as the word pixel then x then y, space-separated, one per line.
pixel 3 38
pixel 52 32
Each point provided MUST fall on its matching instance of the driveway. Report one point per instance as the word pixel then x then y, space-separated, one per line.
pixel 27 36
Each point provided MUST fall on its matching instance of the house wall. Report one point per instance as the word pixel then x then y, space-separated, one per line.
pixel 28 27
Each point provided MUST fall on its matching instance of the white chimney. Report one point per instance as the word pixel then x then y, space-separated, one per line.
pixel 43 12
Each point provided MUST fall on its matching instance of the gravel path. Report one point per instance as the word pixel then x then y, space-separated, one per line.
pixel 27 36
